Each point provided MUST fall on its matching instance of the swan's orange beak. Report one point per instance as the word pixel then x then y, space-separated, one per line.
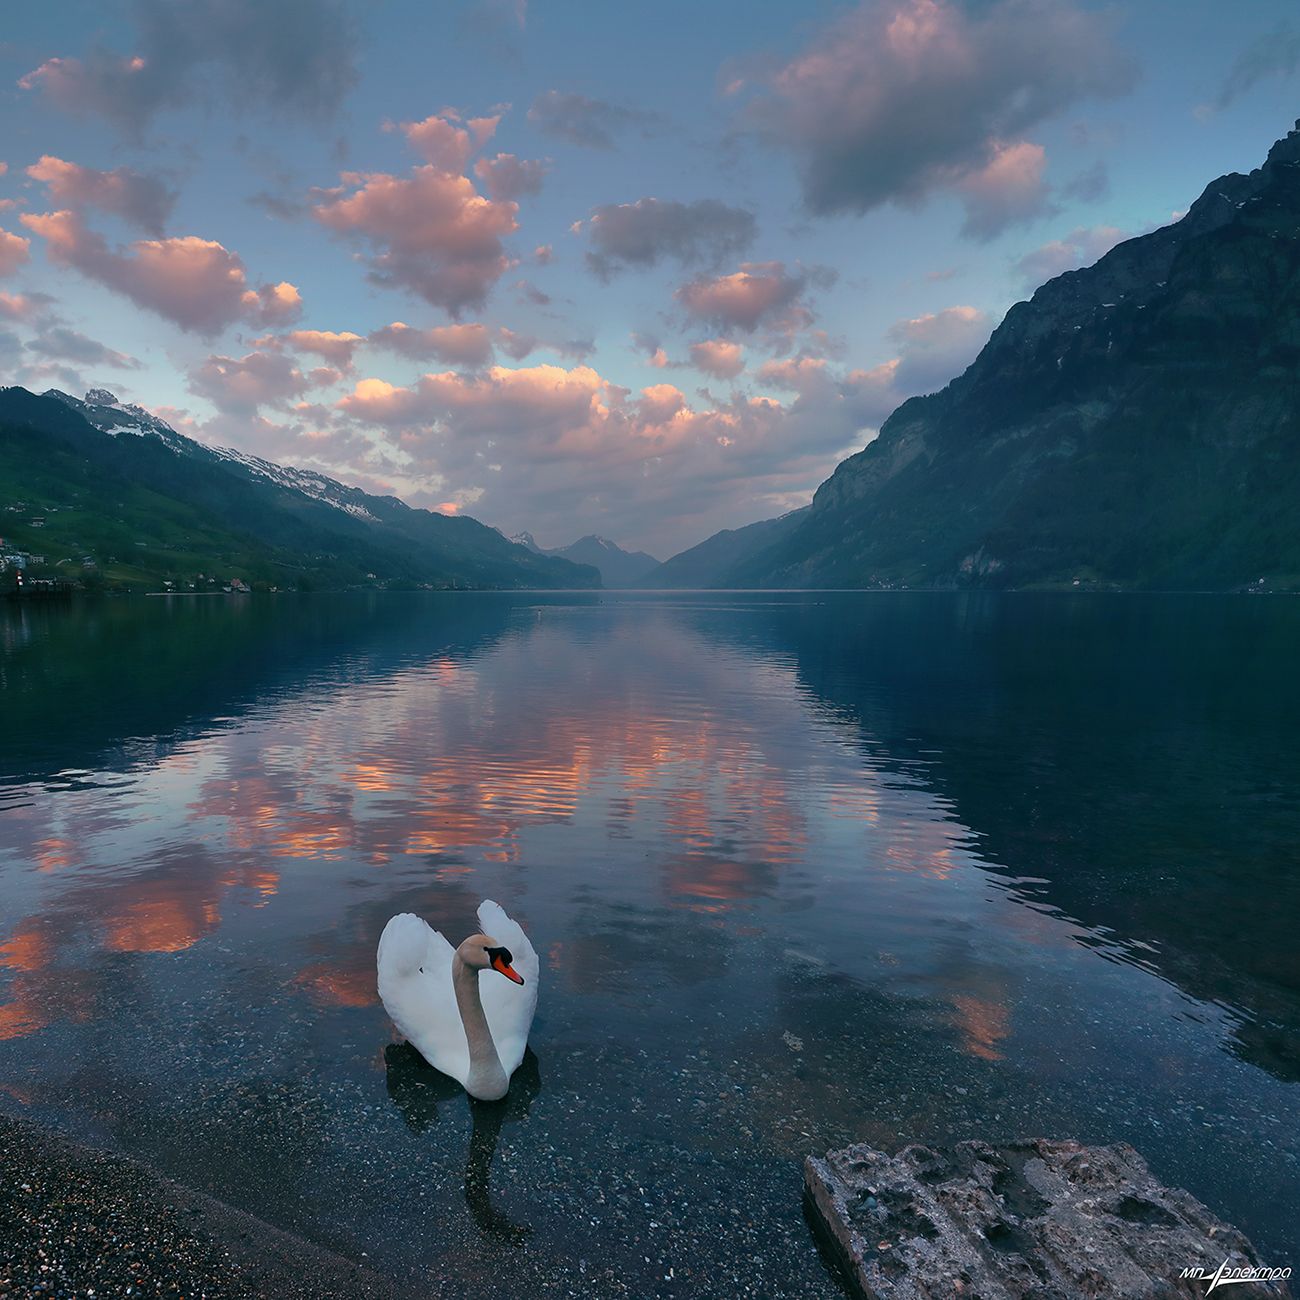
pixel 506 969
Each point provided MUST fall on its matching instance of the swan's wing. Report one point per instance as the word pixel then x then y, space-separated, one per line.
pixel 509 1007
pixel 415 987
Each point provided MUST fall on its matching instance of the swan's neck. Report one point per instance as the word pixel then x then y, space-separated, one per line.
pixel 487 1079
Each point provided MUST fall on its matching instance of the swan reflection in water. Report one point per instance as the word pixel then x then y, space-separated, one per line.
pixel 416 1089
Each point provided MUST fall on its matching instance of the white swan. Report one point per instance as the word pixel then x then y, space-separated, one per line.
pixel 431 991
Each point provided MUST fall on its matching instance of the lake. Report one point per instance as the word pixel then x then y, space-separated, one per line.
pixel 801 868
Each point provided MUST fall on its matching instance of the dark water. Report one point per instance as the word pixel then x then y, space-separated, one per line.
pixel 801 870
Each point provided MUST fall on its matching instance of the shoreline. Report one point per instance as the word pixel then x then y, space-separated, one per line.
pixel 76 1220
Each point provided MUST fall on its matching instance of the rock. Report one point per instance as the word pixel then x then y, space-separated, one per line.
pixel 1043 1219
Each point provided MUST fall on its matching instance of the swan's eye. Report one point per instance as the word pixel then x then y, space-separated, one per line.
pixel 499 959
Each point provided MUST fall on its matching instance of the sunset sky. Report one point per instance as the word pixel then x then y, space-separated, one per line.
pixel 646 271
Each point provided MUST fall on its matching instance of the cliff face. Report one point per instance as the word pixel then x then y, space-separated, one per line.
pixel 1134 424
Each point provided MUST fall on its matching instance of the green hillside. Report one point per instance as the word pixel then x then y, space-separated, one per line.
pixel 141 510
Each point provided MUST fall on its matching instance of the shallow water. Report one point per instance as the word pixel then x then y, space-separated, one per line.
pixel 802 869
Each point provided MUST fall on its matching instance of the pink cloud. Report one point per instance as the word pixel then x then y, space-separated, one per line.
pixel 14 251
pixel 760 292
pixel 242 385
pixel 468 344
pixel 507 177
pixel 197 283
pixel 892 100
pixel 272 304
pixel 718 357
pixel 336 348
pixel 659 404
pixel 515 344
pixel 1008 190
pixel 433 233
pixel 142 200
pixel 98 85
pixel 568 450
pixel 445 141
pixel 18 306
pixel 798 374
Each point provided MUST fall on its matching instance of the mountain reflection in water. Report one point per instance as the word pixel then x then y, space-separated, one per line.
pixel 802 869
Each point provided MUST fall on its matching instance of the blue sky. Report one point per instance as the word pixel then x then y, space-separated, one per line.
pixel 761 226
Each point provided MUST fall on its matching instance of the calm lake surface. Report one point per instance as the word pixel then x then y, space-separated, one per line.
pixel 802 869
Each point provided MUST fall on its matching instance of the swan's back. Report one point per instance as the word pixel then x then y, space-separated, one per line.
pixel 415 987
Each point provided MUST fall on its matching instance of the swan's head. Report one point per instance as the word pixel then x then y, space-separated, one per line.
pixel 482 952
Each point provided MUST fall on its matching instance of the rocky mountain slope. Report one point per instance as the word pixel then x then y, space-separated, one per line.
pixel 1135 424
pixel 112 495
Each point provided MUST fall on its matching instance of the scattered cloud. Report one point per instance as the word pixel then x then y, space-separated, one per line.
pixel 11 348
pixel 239 386
pixel 564 448
pixel 294 55
pixel 432 232
pixel 61 343
pixel 143 201
pixel 592 123
pixel 514 344
pixel 468 344
pixel 642 234
pixel 936 347
pixel 272 304
pixel 508 177
pixel 897 99
pixel 760 293
pixel 14 251
pixel 530 293
pixel 1081 247
pixel 24 306
pixel 197 283
pixel 1089 185
pixel 448 142
pixel 1272 54
pixel 718 357
pixel 1008 190
pixel 336 348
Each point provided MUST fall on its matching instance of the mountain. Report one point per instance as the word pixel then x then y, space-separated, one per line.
pixel 1134 424
pixel 709 563
pixel 617 567
pixel 115 496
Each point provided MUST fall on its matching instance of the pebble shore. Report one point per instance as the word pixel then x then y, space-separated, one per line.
pixel 79 1222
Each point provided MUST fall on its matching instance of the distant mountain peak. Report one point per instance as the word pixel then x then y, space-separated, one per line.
pixel 101 397
pixel 618 568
